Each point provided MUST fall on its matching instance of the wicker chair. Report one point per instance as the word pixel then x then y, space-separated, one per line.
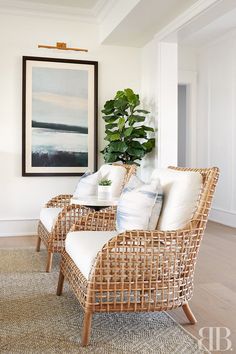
pixel 140 270
pixel 70 213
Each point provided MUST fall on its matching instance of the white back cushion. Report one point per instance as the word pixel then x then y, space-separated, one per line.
pixel 139 205
pixel 181 191
pixel 117 175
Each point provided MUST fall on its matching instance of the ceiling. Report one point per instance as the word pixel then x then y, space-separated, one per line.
pixel 211 25
pixel 80 10
pixel 132 22
pixel 143 22
pixel 82 4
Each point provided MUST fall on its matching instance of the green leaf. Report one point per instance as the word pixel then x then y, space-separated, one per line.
pixel 136 145
pixel 148 129
pixel 139 133
pixel 128 131
pixel 121 123
pixel 121 104
pixel 110 126
pixel 119 94
pixel 136 119
pixel 118 146
pixel 110 119
pixel 111 132
pixel 132 161
pixel 133 99
pixel 108 107
pixel 138 153
pixel 142 111
pixel 129 92
pixel 149 145
pixel 114 137
pixel 110 157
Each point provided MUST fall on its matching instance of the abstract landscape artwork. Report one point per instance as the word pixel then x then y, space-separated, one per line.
pixel 59 116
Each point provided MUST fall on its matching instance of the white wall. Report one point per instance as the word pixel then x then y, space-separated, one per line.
pixel 159 76
pixel 148 93
pixel 187 58
pixel 216 121
pixel 119 67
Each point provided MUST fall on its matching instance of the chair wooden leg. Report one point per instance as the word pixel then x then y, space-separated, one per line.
pixel 190 316
pixel 49 262
pixel 60 283
pixel 86 328
pixel 38 244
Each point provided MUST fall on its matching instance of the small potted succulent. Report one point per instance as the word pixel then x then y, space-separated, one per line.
pixel 104 189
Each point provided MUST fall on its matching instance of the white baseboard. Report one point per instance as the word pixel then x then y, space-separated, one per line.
pixel 18 227
pixel 223 216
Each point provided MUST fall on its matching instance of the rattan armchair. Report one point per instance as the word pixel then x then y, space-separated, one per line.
pixel 69 215
pixel 140 270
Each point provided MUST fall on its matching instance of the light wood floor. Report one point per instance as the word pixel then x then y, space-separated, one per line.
pixel 214 300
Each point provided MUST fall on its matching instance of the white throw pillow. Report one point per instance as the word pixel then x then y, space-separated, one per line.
pixel 181 190
pixel 139 205
pixel 87 185
pixel 117 175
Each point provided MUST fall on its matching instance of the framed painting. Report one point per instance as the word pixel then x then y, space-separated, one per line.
pixel 59 109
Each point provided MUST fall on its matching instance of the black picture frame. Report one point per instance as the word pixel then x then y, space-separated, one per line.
pixel 59 116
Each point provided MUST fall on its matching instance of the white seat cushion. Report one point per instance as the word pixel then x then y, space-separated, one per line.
pixel 83 246
pixel 48 217
pixel 181 191
pixel 139 205
pixel 117 175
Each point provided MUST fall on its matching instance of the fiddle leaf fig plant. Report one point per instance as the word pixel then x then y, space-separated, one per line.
pixel 128 138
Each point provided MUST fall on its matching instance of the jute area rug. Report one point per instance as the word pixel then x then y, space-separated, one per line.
pixel 34 320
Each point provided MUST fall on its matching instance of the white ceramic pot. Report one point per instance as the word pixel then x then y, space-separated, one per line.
pixel 104 192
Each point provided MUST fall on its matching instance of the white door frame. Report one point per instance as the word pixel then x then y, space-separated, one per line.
pixel 189 78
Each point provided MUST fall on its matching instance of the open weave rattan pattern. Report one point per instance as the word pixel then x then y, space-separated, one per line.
pixel 55 240
pixel 141 270
pixel 35 321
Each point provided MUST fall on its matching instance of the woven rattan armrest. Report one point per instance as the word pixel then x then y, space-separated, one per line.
pixel 69 215
pixel 99 221
pixel 59 201
pixel 147 239
pixel 134 255
pixel 65 220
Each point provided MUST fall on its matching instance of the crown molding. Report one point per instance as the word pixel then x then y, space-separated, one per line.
pixel 102 9
pixel 59 12
pixel 184 18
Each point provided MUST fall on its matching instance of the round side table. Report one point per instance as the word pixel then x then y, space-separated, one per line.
pixel 94 202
